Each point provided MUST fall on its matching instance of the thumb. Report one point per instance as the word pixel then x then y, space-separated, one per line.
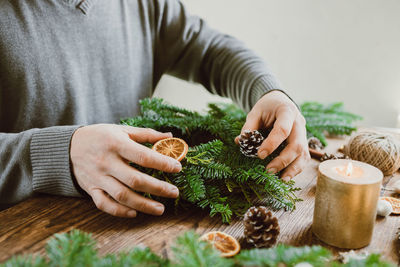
pixel 252 123
pixel 145 135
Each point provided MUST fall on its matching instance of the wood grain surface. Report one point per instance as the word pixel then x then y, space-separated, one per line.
pixel 26 227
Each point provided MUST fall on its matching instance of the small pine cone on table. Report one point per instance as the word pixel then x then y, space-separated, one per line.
pixel 249 142
pixel 327 156
pixel 314 143
pixel 261 228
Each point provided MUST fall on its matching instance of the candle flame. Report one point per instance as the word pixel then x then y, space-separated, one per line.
pixel 349 170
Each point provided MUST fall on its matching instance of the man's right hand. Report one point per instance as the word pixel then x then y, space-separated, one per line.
pixel 100 156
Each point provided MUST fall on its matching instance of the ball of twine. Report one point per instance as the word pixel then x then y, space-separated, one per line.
pixel 378 149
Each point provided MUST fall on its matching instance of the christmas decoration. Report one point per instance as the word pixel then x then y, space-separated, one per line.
pixel 395 202
pixel 384 208
pixel 215 174
pixel 315 143
pixel 173 147
pixel 261 228
pixel 345 183
pixel 316 154
pixel 327 156
pixel 322 156
pixel 79 249
pixel 381 150
pixel 249 142
pixel 224 243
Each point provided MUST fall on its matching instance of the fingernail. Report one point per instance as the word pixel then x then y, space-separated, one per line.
pixel 170 134
pixel 263 154
pixel 159 208
pixel 286 178
pixel 174 190
pixel 178 165
pixel 272 170
pixel 132 213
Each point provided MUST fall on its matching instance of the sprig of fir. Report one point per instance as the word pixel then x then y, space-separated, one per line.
pixel 331 119
pixel 78 249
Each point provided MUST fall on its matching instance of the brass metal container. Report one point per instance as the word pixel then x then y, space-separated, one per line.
pixel 345 207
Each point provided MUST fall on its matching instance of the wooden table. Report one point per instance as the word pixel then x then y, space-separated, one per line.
pixel 26 227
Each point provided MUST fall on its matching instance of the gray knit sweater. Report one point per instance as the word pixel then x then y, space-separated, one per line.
pixel 65 63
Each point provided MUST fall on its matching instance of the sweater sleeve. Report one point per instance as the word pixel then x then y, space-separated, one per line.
pixel 186 47
pixel 35 160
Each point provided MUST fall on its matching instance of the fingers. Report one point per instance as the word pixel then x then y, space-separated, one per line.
pixel 253 122
pixel 105 203
pixel 125 196
pixel 287 156
pixel 294 168
pixel 99 149
pixel 145 135
pixel 147 157
pixel 139 154
pixel 295 155
pixel 142 182
pixel 280 132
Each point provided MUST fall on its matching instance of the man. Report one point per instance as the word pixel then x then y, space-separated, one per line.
pixel 67 65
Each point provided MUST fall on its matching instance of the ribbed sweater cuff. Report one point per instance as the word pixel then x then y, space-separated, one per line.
pixel 262 86
pixel 49 152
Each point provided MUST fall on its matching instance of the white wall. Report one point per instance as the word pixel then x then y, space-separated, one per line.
pixel 338 50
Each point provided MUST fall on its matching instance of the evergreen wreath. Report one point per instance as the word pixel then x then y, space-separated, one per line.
pixel 76 249
pixel 215 174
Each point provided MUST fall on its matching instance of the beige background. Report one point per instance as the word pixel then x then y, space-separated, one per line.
pixel 338 50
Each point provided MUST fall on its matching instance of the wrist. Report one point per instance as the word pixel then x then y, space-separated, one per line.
pixel 278 93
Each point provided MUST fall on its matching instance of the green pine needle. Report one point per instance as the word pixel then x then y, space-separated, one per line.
pixel 290 256
pixel 331 119
pixel 190 252
pixel 25 261
pixel 77 248
pixel 71 250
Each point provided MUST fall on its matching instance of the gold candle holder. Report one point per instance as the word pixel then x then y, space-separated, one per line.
pixel 345 202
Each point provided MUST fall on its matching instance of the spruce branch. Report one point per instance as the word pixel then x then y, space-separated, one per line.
pixel 373 260
pixel 24 261
pixel 77 248
pixel 193 185
pixel 138 257
pixel 74 249
pixel 330 118
pixel 190 252
pixel 287 256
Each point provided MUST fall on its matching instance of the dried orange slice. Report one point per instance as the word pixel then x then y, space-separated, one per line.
pixel 395 202
pixel 173 147
pixel 226 244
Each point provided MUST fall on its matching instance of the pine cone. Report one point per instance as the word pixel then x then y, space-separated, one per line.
pixel 261 229
pixel 314 143
pixel 333 156
pixel 249 142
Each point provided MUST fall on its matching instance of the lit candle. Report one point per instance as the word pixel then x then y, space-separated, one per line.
pixel 345 202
